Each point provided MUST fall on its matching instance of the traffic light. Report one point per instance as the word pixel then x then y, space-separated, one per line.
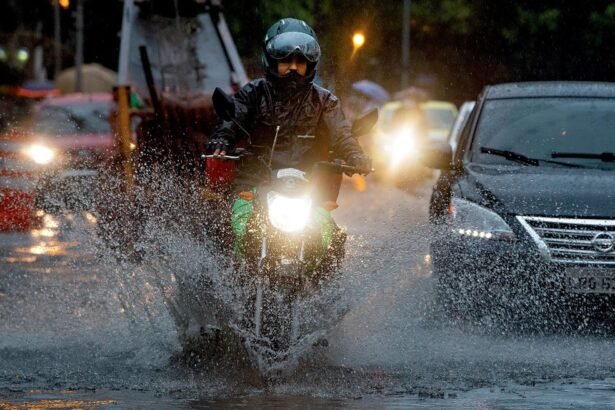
pixel 64 3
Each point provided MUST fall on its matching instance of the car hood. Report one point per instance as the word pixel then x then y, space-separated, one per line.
pixel 543 191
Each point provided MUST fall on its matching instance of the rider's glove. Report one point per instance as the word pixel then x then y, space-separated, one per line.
pixel 218 146
pixel 362 163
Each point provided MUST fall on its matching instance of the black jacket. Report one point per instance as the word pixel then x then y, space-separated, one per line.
pixel 311 124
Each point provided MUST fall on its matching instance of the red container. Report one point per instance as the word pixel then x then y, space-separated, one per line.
pixel 17 183
pixel 220 173
pixel 17 211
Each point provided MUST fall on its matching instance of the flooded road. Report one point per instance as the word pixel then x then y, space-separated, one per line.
pixel 78 329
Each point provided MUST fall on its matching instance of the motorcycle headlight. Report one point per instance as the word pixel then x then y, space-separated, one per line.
pixel 40 154
pixel 288 214
pixel 470 219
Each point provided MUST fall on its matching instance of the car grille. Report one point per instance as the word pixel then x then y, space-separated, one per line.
pixel 573 241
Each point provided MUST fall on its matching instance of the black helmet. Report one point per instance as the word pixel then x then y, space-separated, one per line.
pixel 287 37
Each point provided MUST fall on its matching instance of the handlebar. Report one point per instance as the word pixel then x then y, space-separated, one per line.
pixel 329 164
pixel 348 168
pixel 333 165
pixel 229 157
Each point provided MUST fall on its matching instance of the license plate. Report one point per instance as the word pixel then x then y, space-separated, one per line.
pixel 590 280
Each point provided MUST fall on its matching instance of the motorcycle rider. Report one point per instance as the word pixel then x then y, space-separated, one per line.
pixel 286 118
pixel 306 118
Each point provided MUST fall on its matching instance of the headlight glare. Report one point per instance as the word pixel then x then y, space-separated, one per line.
pixel 40 154
pixel 403 145
pixel 288 214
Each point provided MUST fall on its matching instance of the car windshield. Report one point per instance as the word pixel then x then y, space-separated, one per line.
pixel 539 127
pixel 439 117
pixel 88 118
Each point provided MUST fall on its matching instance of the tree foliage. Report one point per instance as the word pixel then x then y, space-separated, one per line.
pixel 464 43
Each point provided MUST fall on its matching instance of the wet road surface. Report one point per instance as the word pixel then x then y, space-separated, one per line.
pixel 79 329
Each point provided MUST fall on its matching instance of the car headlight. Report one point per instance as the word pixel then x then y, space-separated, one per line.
pixel 288 214
pixel 400 145
pixel 40 154
pixel 470 219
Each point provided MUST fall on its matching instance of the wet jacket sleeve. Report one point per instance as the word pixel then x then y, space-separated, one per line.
pixel 245 106
pixel 341 141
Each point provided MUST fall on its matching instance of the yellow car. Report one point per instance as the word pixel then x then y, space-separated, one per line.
pixel 440 117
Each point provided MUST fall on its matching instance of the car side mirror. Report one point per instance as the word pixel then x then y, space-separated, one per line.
pixel 223 104
pixel 364 123
pixel 437 155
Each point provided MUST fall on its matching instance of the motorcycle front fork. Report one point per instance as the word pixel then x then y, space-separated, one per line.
pixel 258 306
pixel 258 314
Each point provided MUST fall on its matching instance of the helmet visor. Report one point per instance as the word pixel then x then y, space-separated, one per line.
pixel 285 44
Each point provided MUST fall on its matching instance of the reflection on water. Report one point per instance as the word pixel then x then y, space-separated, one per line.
pixel 19 259
pixel 427 258
pixel 50 222
pixel 90 218
pixel 46 238
pixel 112 334
pixel 57 404
pixel 45 233
pixel 45 248
pixel 52 248
pixel 576 394
pixel 88 399
pixel 49 227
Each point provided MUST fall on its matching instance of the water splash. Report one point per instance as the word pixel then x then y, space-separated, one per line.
pixel 180 269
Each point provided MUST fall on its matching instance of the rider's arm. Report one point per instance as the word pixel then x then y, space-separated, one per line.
pixel 246 101
pixel 341 141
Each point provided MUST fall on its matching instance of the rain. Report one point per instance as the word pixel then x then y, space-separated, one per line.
pixel 221 204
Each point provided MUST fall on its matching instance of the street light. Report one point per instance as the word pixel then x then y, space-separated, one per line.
pixel 358 40
pixel 405 44
pixel 23 55
pixel 79 51
pixel 57 64
pixel 64 3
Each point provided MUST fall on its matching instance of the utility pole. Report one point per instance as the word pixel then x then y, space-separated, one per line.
pixel 122 93
pixel 127 24
pixel 79 53
pixel 405 45
pixel 57 41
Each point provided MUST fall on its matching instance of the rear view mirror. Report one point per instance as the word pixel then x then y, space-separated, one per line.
pixel 437 155
pixel 364 123
pixel 223 104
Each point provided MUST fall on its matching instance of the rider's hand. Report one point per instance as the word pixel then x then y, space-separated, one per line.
pixel 362 163
pixel 219 146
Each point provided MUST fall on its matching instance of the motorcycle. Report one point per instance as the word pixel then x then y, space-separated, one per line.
pixel 397 144
pixel 286 245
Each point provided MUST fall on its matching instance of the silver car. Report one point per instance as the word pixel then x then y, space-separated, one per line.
pixel 460 122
